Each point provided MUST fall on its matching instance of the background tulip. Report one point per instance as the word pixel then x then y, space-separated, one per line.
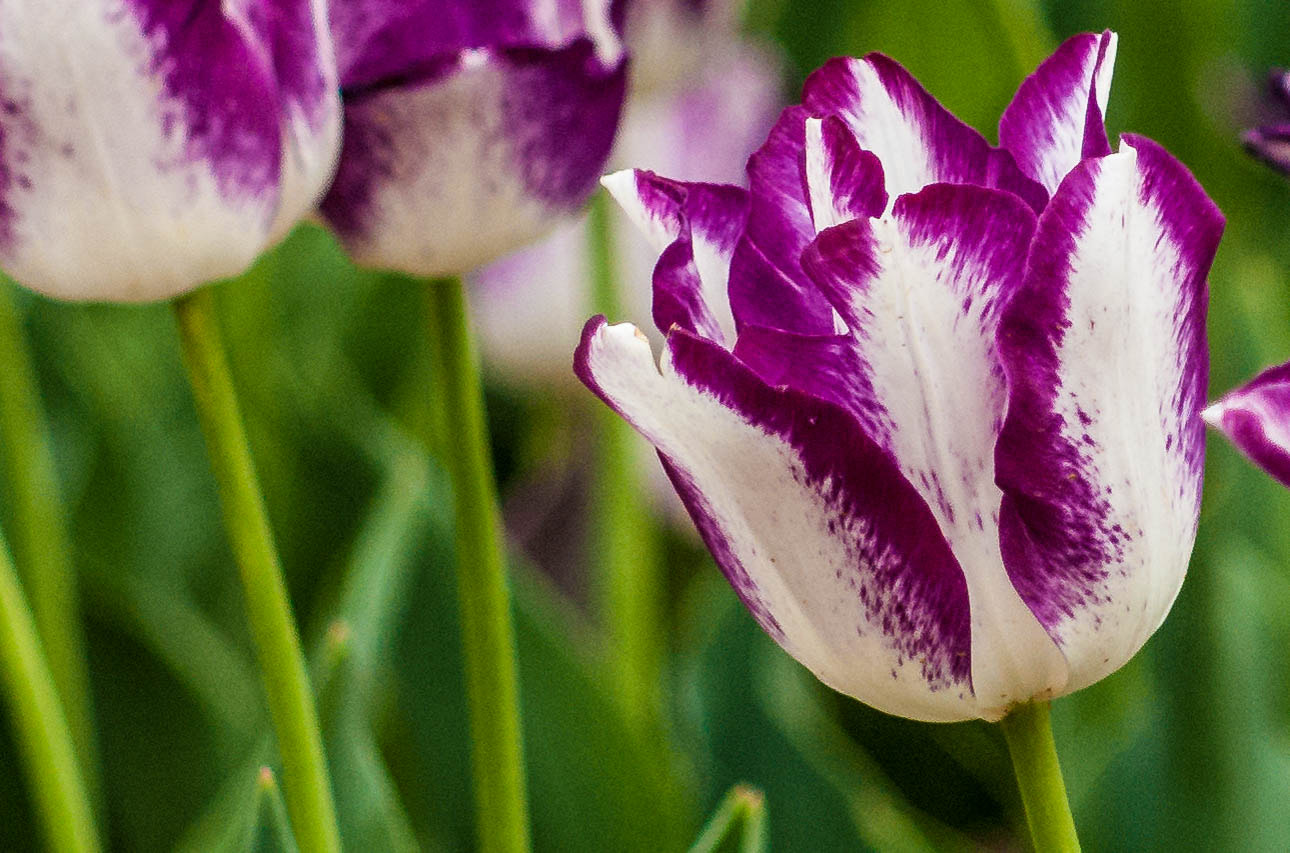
pixel 470 128
pixel 149 147
pixel 952 459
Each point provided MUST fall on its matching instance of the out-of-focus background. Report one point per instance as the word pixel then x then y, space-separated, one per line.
pixel 1188 747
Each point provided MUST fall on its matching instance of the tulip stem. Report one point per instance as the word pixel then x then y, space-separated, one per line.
pixel 624 545
pixel 41 547
pixel 488 637
pixel 1039 776
pixel 277 642
pixel 40 726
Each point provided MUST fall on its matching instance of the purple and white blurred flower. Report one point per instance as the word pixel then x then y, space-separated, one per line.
pixel 691 73
pixel 952 461
pixel 1256 418
pixel 1270 142
pixel 148 147
pixel 472 127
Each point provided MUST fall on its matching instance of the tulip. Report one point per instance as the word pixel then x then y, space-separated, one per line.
pixel 951 460
pixel 470 128
pixel 150 147
pixel 673 100
pixel 1256 418
pixel 1271 141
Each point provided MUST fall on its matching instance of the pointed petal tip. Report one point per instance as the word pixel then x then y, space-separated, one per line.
pixel 1213 414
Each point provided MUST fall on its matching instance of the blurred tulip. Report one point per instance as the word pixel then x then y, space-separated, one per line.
pixel 952 461
pixel 1256 418
pixel 147 146
pixel 691 72
pixel 471 128
pixel 1271 141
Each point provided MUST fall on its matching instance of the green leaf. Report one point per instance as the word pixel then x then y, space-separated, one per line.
pixel 737 826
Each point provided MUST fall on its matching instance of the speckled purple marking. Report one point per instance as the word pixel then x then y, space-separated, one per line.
pixel 1059 536
pixel 906 580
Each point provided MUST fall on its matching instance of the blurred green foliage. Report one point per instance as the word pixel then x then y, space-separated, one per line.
pixel 1188 747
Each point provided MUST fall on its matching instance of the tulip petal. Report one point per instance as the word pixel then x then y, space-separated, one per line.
pixel 833 552
pixel 1056 118
pixel 695 228
pixel 918 141
pixel 1101 456
pixel 441 175
pixel 767 285
pixel 843 182
pixel 1256 418
pixel 141 146
pixel 922 291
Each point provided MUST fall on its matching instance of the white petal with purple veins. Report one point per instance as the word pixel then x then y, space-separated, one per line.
pixel 1256 418
pixel 830 549
pixel 921 291
pixel 1102 454
pixel 1056 118
pixel 142 146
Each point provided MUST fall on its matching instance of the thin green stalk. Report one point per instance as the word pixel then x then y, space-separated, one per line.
pixel 277 643
pixel 40 727
pixel 1039 776
pixel 488 637
pixel 624 543
pixel 41 546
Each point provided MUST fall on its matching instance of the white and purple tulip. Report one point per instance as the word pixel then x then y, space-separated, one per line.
pixel 1256 418
pixel 150 146
pixel 1270 142
pixel 472 127
pixel 674 101
pixel 952 461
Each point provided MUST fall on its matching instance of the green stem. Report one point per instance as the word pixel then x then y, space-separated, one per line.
pixel 1039 776
pixel 277 643
pixel 488 637
pixel 624 543
pixel 41 728
pixel 41 546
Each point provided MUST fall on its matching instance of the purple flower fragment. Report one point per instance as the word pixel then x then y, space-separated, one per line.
pixel 471 128
pixel 951 459
pixel 1270 142
pixel 1256 418
pixel 148 147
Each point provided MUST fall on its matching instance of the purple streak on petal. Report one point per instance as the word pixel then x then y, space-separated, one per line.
pixel 378 41
pixel 761 294
pixel 290 31
pixel 1056 118
pixel 825 366
pixel 918 141
pixel 678 294
pixel 697 226
pixel 229 101
pixel 562 108
pixel 1072 522
pixel 905 579
pixel 852 185
pixel 705 521
pixel 1256 418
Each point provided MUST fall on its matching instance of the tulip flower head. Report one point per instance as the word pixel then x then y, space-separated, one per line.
pixel 951 459
pixel 147 147
pixel 471 127
pixel 1271 141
